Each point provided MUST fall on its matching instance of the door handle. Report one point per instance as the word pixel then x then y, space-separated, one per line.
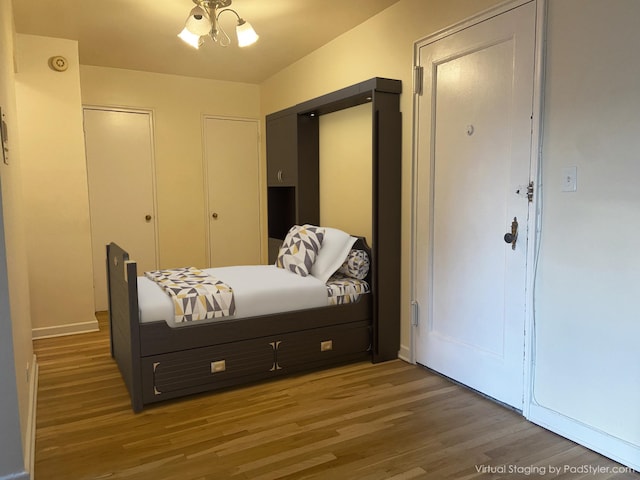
pixel 214 216
pixel 147 218
pixel 512 237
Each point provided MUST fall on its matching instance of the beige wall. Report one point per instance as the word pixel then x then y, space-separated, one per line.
pixel 55 187
pixel 16 352
pixel 178 105
pixel 380 47
pixel 587 330
pixel 345 170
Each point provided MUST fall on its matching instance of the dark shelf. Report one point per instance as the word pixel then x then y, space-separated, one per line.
pixel 282 212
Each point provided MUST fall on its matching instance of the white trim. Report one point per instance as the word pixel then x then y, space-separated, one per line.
pixel 16 476
pixel 205 188
pixel 69 329
pixel 535 208
pixel 414 208
pixel 594 439
pixel 30 440
pixel 470 22
pixel 405 354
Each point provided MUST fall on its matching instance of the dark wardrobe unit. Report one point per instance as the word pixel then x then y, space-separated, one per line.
pixel 293 189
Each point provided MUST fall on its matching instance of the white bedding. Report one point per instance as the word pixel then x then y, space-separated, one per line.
pixel 258 290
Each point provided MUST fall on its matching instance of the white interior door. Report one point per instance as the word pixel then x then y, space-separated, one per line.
pixel 233 191
pixel 119 151
pixel 474 137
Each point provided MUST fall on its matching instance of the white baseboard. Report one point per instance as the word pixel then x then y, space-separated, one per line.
pixel 16 476
pixel 404 354
pixel 614 448
pixel 30 438
pixel 69 329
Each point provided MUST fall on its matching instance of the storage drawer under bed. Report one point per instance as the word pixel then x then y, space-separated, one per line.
pixel 197 370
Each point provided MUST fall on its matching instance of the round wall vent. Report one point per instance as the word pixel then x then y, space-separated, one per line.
pixel 58 63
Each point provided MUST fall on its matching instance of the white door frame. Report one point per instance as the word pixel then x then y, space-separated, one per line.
pixel 205 176
pixel 534 175
pixel 152 118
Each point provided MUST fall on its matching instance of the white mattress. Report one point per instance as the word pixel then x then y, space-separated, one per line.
pixel 258 290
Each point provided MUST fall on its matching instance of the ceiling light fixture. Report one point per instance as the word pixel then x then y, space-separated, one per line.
pixel 203 21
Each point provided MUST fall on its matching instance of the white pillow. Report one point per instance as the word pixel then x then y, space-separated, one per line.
pixel 335 248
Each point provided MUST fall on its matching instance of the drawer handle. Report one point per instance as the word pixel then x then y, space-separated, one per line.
pixel 155 390
pixel 275 346
pixel 326 346
pixel 219 366
pixel 280 176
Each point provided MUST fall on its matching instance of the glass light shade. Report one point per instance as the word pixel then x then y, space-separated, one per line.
pixel 198 22
pixel 246 34
pixel 190 38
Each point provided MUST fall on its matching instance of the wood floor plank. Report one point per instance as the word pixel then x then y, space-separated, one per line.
pixel 357 422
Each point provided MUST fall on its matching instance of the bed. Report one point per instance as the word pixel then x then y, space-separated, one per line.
pixel 160 360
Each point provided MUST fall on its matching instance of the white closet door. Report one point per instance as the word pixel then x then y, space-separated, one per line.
pixel 233 191
pixel 119 151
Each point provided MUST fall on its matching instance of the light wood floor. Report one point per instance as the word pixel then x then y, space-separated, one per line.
pixel 358 422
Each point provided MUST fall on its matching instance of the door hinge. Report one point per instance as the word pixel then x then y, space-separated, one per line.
pixel 414 313
pixel 530 192
pixel 418 76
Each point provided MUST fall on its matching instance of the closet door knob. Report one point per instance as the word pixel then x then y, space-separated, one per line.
pixel 214 215
pixel 147 218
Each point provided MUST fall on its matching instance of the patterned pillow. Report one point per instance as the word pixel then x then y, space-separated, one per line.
pixel 356 265
pixel 300 249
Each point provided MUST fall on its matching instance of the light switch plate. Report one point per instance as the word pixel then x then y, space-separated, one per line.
pixel 569 179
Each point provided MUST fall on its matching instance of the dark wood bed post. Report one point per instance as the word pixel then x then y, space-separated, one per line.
pixel 123 308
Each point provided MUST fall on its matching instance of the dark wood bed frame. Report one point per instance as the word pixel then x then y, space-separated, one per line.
pixel 159 362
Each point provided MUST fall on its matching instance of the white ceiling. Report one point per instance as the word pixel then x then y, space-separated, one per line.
pixel 141 34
